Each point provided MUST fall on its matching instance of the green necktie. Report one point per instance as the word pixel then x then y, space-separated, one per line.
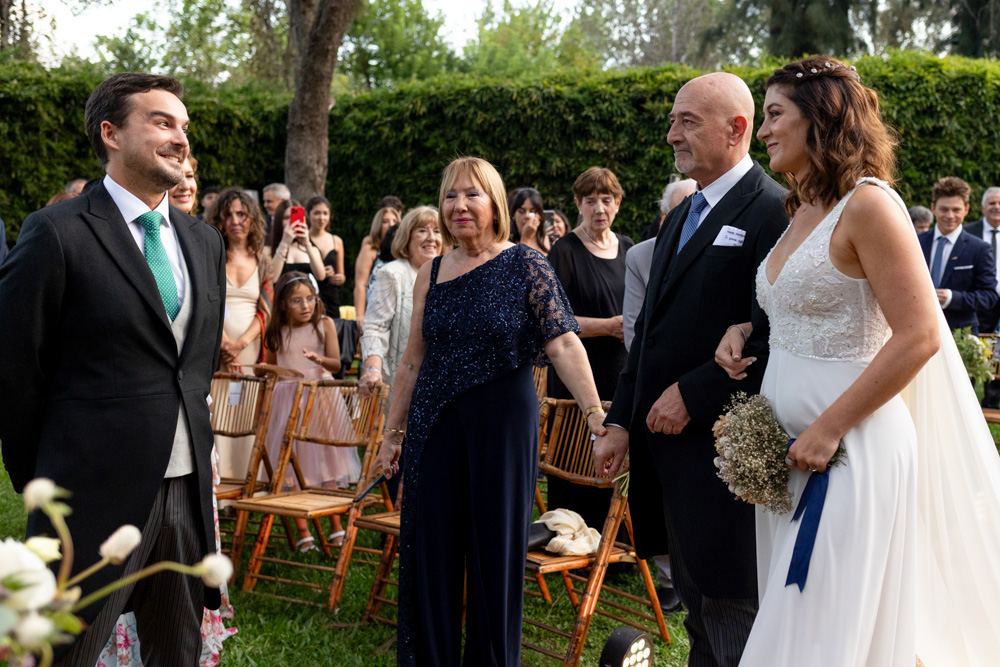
pixel 156 257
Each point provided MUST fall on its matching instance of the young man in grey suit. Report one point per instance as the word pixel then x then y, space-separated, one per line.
pixel 701 281
pixel 113 306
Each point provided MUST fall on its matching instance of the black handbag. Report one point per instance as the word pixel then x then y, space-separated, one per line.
pixel 539 535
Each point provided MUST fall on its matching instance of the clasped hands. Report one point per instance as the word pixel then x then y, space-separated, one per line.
pixel 668 415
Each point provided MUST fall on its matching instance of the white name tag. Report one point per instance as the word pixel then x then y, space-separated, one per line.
pixel 235 393
pixel 730 236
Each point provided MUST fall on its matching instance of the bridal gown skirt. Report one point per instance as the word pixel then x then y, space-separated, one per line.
pixel 858 607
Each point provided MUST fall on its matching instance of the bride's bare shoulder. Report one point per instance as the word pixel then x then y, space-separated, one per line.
pixel 872 210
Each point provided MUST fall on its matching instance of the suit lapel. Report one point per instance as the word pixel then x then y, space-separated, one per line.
pixel 953 256
pixel 112 231
pixel 724 213
pixel 193 248
pixel 663 250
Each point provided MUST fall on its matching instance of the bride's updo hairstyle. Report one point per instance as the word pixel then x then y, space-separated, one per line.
pixel 847 139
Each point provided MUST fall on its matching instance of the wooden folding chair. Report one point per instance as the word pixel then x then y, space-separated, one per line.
pixel 333 415
pixel 541 375
pixel 241 406
pixel 569 456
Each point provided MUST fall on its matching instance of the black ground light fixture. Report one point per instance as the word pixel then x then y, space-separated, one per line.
pixel 628 647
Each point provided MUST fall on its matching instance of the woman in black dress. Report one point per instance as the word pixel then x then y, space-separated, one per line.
pixel 590 264
pixel 482 315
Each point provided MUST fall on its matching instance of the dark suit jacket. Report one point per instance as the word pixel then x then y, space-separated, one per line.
pixel 989 319
pixel 691 298
pixel 92 381
pixel 970 274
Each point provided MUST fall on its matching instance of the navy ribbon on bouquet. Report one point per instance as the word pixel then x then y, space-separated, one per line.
pixel 810 509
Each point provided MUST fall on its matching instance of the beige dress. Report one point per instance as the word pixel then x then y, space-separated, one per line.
pixel 241 310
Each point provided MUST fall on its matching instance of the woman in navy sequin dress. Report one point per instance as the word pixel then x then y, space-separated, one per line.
pixel 482 315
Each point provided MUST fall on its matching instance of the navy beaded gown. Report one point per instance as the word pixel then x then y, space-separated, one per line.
pixel 471 459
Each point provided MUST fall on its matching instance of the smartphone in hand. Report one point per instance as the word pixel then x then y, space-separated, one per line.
pixel 297 219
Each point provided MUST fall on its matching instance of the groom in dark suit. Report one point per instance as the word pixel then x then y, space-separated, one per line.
pixel 961 265
pixel 112 317
pixel 671 391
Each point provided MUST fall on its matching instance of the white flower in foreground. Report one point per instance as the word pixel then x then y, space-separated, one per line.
pixel 33 631
pixel 28 581
pixel 39 492
pixel 121 543
pixel 216 570
pixel 45 548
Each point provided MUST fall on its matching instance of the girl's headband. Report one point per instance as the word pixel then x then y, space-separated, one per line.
pixel 310 278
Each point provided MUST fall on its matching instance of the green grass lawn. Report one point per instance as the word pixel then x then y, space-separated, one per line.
pixel 274 633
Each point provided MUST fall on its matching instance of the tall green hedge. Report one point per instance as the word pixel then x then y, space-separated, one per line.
pixel 541 134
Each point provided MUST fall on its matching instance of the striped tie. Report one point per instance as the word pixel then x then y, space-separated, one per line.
pixel 156 257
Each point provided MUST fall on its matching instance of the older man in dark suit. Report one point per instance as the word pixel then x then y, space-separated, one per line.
pixel 701 281
pixel 961 265
pixel 112 317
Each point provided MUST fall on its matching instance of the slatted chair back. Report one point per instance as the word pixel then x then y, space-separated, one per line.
pixel 335 415
pixel 238 403
pixel 541 375
pixel 565 441
pixel 992 340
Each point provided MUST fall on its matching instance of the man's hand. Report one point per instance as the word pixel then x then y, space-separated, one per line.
pixel 669 414
pixel 943 295
pixel 610 450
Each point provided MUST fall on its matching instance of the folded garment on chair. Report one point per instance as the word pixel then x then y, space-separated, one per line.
pixel 573 536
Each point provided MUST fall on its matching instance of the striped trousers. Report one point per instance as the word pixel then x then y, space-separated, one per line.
pixel 168 605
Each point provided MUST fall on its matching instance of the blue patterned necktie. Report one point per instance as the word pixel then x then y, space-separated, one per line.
pixel 698 205
pixel 937 264
pixel 156 257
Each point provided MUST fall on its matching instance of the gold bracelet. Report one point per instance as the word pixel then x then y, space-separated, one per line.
pixel 395 430
pixel 591 410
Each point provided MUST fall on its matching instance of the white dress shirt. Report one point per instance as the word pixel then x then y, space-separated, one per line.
pixel 950 240
pixel 988 237
pixel 717 189
pixel 131 207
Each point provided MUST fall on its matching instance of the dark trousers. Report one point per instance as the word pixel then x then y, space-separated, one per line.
pixel 717 629
pixel 474 502
pixel 168 606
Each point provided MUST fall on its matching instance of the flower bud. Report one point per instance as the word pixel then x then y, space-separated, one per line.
pixel 121 543
pixel 33 631
pixel 216 570
pixel 45 548
pixel 38 493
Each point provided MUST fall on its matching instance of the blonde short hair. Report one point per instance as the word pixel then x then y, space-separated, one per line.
pixel 486 175
pixel 421 216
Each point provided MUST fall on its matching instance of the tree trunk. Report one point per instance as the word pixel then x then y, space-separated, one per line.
pixel 318 27
pixel 5 28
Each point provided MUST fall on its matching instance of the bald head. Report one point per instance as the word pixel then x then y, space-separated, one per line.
pixel 711 125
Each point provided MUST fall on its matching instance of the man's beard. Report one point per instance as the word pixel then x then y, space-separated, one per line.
pixel 154 173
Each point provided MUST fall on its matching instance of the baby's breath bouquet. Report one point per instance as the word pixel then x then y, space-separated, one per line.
pixel 752 447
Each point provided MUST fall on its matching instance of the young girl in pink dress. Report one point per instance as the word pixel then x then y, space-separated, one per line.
pixel 301 337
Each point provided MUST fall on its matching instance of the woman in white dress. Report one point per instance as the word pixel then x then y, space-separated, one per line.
pixel 853 319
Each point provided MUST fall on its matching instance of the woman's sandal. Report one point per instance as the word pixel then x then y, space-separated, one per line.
pixel 306 544
pixel 337 538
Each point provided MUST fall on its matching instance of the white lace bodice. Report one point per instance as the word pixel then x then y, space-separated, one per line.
pixel 814 309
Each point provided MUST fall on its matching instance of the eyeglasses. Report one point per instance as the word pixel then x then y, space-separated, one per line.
pixel 299 301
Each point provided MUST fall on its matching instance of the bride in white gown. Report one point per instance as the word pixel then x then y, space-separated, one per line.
pixel 906 560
